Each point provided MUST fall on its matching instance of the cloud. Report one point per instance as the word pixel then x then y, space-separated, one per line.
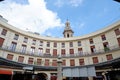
pixel 59 3
pixel 34 16
pixel 74 3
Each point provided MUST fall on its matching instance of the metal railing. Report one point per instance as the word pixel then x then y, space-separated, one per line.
pixel 81 54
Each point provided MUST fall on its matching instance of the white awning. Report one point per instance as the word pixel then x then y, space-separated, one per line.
pixel 79 72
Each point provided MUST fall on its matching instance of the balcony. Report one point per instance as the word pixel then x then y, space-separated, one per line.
pixel 48 55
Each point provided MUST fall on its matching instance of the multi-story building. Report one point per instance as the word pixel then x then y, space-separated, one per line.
pixel 93 56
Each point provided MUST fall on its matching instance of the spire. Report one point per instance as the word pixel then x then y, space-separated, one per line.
pixel 67 25
pixel 68 32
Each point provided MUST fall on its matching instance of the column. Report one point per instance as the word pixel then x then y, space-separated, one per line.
pixel 59 69
pixel 90 78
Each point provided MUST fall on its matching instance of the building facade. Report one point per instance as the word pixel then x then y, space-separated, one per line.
pixel 100 49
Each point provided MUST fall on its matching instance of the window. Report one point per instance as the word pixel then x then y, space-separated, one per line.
pixel 81 62
pixel 72 62
pixel 23 50
pixel 54 63
pixel 1 41
pixel 48 44
pixel 10 56
pixel 48 51
pixel 117 31
pixel 106 46
pixel 46 62
pixel 39 61
pixel 34 42
pixel 32 50
pixel 91 41
pixel 62 52
pixel 80 51
pixel 79 43
pixel 63 45
pixel 109 57
pixel 95 60
pixel 40 51
pixel 68 35
pixel 71 51
pixel 41 43
pixel 20 59
pixel 71 44
pixel 4 32
pixel 25 40
pixel 16 36
pixel 55 44
pixel 30 61
pixel 64 62
pixel 54 52
pixel 118 39
pixel 13 46
pixel 103 37
pixel 92 49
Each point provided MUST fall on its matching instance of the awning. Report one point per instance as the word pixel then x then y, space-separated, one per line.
pixel 79 72
pixel 9 72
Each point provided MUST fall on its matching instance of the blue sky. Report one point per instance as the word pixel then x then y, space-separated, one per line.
pixel 48 17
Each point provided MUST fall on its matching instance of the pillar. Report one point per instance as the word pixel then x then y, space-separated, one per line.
pixel 59 69
pixel 90 78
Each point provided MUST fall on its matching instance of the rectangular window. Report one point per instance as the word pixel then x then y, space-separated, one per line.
pixel 118 39
pixel 1 41
pixel 63 45
pixel 62 52
pixel 41 43
pixel 81 62
pixel 71 44
pixel 48 44
pixel 10 56
pixel 109 57
pixel 4 32
pixel 54 52
pixel 20 59
pixel 71 51
pixel 32 50
pixel 23 50
pixel 106 46
pixel 25 40
pixel 55 44
pixel 95 60
pixel 92 49
pixel 13 46
pixel 72 62
pixel 54 63
pixel 64 62
pixel 48 51
pixel 40 51
pixel 117 31
pixel 34 42
pixel 39 61
pixel 46 62
pixel 80 51
pixel 16 36
pixel 30 61
pixel 103 37
pixel 91 41
pixel 79 43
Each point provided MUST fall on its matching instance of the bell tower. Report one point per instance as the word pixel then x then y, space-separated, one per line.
pixel 68 32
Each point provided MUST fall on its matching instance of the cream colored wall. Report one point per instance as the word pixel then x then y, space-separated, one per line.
pixel 109 33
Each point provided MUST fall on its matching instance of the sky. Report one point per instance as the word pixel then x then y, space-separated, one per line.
pixel 48 17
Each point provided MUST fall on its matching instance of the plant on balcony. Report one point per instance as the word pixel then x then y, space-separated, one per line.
pixel 106 49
